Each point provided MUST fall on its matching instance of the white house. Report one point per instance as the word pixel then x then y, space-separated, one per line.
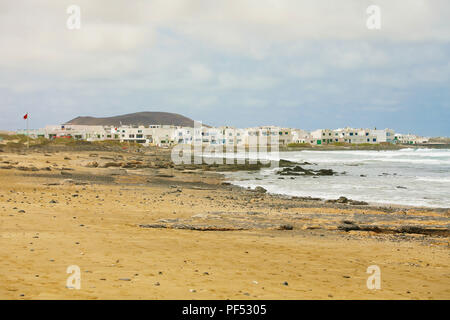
pixel 409 139
pixel 385 135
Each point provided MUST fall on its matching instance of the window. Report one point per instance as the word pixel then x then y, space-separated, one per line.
pixel 374 140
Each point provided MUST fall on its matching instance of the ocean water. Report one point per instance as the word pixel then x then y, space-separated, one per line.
pixel 417 177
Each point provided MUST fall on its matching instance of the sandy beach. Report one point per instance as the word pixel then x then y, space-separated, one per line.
pixel 139 228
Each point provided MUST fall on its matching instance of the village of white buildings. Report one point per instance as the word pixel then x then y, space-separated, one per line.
pixel 168 135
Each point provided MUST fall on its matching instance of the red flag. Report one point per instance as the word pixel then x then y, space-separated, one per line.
pixel 25 116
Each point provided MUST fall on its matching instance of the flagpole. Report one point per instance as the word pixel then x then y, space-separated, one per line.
pixel 28 135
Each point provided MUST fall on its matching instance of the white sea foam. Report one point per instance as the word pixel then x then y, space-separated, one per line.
pixel 434 179
pixel 419 177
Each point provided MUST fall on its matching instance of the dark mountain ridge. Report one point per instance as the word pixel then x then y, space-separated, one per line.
pixel 138 118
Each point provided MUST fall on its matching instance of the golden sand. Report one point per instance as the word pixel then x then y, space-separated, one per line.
pixel 49 223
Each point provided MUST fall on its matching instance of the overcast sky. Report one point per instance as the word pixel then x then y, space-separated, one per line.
pixel 293 63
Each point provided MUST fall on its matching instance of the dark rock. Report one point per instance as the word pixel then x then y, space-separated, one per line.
pixel 112 164
pixel 27 168
pixel 285 227
pixel 155 225
pixel 358 203
pixel 306 198
pixel 342 200
pixel 260 189
pixel 162 175
pixel 92 164
pixel 298 170
pixel 325 172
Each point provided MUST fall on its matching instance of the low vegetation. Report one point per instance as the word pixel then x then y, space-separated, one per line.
pixel 299 145
pixel 20 142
